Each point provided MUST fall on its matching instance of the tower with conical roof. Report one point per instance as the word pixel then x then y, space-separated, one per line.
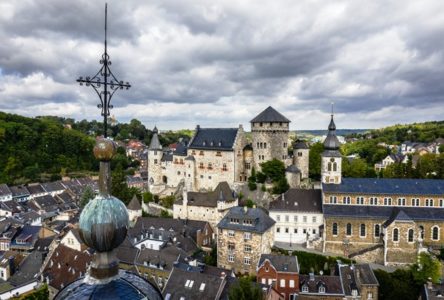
pixel 331 157
pixel 269 136
pixel 154 162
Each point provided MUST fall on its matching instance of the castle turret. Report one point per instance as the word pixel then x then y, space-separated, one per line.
pixel 293 175
pixel 301 156
pixel 154 161
pixel 331 157
pixel 270 136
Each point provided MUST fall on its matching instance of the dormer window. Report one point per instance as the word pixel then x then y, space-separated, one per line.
pixel 220 143
pixel 305 289
pixel 354 293
pixel 204 143
pixel 321 289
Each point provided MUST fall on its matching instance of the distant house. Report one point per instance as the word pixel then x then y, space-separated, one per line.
pixel 134 209
pixel 136 182
pixel 391 159
pixel 53 188
pixel 72 240
pixel 36 190
pixel 20 193
pixel 5 193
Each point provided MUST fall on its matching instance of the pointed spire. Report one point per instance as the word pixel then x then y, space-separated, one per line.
pixel 155 143
pixel 331 142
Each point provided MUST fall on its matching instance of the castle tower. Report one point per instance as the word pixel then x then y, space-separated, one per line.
pixel 154 161
pixel 270 136
pixel 301 158
pixel 293 176
pixel 331 157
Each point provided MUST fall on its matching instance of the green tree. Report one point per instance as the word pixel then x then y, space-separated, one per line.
pixel 245 289
pixel 249 203
pixel 426 267
pixel 87 195
pixel 165 214
pixel 315 160
pixel 211 258
pixel 168 201
pixel 42 293
pixel 273 169
pixel 147 197
pixel 119 187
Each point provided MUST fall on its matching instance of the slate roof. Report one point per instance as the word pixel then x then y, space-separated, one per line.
pixel 53 186
pixel 300 145
pixel 222 192
pixel 213 139
pixel 299 200
pixel 261 221
pixel 4 190
pixel 387 186
pixel 46 202
pixel 181 149
pixel 164 258
pixel 35 189
pixel 155 143
pixel 28 269
pixel 134 204
pixel 167 156
pixel 203 287
pixel 270 115
pixel 127 255
pixel 366 275
pixel 282 263
pixel 19 191
pixel 292 169
pixel 332 284
pixel 65 265
pixel 382 212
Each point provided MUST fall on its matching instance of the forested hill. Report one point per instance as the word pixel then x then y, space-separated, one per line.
pixel 416 132
pixel 32 146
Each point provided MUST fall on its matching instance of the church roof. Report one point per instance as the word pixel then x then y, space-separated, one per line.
pixel 331 142
pixel 383 212
pixel 214 139
pixel 270 115
pixel 134 204
pixel 387 186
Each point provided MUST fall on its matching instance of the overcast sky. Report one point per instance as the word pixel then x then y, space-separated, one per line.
pixel 219 63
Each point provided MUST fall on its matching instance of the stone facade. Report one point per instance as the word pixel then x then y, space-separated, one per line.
pixel 301 160
pixel 240 251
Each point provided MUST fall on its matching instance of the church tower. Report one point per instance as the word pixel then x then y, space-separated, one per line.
pixel 269 132
pixel 331 157
pixel 154 161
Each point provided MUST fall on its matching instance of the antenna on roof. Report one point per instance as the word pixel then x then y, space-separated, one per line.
pixel 332 105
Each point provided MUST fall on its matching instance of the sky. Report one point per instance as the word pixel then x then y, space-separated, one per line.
pixel 220 63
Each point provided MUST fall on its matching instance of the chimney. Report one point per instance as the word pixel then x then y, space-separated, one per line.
pixel 245 209
pixel 283 196
pixel 312 276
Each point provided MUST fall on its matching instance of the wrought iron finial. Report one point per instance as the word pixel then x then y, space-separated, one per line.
pixel 104 83
pixel 332 104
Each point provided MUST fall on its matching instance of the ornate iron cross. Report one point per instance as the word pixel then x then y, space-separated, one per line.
pixel 104 83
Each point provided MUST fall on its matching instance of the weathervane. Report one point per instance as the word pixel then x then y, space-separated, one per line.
pixel 106 79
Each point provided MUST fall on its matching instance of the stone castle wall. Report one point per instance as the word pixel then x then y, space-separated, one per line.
pixel 301 161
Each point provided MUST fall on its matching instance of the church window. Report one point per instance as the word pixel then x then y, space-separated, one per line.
pixel 360 200
pixel 415 202
pixel 396 235
pixel 333 199
pixel 224 167
pixel 373 201
pixel 435 233
pixel 260 124
pixel 362 231
pixel 335 166
pixel 401 201
pixel 346 200
pixel 429 202
pixel 387 201
pixel 411 234
pixel 334 229
pixel 348 229
pixel 377 230
pixel 329 166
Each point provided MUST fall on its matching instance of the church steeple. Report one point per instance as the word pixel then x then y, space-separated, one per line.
pixel 331 142
pixel 331 157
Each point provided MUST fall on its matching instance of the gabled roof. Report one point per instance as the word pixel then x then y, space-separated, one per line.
pixel 282 263
pixel 134 204
pixel 222 192
pixel 300 145
pixel 298 200
pixel 4 190
pixel 53 186
pixel 19 191
pixel 35 189
pixel 332 284
pixel 214 139
pixel 260 220
pixel 387 186
pixel 270 115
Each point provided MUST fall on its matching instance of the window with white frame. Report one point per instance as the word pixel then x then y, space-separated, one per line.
pixel 231 233
pixel 247 235
pixel 247 261
pixel 435 233
pixel 287 218
pixel 282 283
pixel 247 248
pixel 295 218
pixel 346 200
pixel 387 201
pixel 415 202
pixel 278 218
pixel 291 283
pixel 304 219
pixel 373 201
pixel 305 289
pixel 429 202
pixel 441 202
pixel 230 258
pixel 333 199
pixel 360 200
pixel 401 201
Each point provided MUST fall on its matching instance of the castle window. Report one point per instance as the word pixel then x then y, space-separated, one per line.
pixel 334 229
pixel 401 201
pixel 280 123
pixel 377 232
pixel 218 153
pixel 387 201
pixel 348 229
pixel 285 145
pixel 286 229
pixel 396 235
pixel 263 157
pixel 155 161
pixel 295 230
pixel 362 230
pixel 178 172
pixel 247 166
pixel 415 202
pixel 411 234
pixel 261 145
pixel 155 152
pixel 224 167
pixel 265 145
pixel 435 233
pixel 260 124
pixel 210 166
pixel 278 229
pixel 176 161
pixel 193 152
pixel 429 202
pixel 346 200
pixel 201 153
pixel 373 201
pixel 299 154
pixel 282 283
pixel 201 165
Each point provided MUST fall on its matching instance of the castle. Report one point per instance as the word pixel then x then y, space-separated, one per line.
pixel 216 155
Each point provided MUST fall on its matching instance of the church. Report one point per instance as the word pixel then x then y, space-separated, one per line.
pixel 216 155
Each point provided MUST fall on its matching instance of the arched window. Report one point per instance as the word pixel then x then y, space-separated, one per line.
pixel 435 233
pixel 396 235
pixel 377 230
pixel 334 229
pixel 335 166
pixel 348 229
pixel 362 231
pixel 411 234
pixel 329 166
pixel 265 145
